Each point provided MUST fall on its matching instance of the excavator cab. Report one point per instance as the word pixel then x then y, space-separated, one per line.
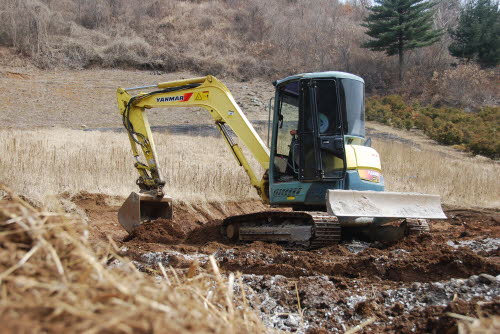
pixel 326 163
pixel 313 109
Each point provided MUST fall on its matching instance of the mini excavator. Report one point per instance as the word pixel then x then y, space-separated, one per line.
pixel 318 163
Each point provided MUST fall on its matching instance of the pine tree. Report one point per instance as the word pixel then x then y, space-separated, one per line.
pixel 477 36
pixel 400 25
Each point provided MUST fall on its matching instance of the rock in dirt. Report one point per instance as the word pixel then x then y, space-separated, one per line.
pixel 487 245
pixel 486 278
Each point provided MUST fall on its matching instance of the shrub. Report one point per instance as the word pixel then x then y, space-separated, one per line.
pixel 463 86
pixel 127 52
pixel 24 25
pixel 77 55
pixel 476 132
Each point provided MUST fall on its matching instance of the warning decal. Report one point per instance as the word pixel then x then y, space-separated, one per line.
pixel 201 96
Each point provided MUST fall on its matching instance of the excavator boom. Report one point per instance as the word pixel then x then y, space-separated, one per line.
pixel 205 92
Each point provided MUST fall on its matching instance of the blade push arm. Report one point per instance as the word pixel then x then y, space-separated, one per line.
pixel 205 92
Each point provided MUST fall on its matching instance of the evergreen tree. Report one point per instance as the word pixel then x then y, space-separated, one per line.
pixel 477 36
pixel 400 25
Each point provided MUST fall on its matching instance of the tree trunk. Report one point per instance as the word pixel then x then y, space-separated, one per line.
pixel 401 64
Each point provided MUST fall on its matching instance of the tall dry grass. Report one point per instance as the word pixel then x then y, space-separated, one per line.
pixel 54 280
pixel 43 163
pixel 459 180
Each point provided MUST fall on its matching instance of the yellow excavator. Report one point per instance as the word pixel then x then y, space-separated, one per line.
pixel 318 163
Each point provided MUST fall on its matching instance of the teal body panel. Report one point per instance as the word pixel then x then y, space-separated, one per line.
pixel 289 192
pixel 313 194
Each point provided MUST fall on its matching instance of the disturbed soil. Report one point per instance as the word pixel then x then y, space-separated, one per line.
pixel 406 287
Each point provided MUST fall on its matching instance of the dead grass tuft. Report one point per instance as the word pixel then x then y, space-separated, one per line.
pixel 481 325
pixel 127 52
pixel 52 279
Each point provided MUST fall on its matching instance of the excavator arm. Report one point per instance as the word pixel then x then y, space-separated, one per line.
pixel 205 92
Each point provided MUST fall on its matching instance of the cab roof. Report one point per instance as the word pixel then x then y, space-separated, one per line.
pixel 314 75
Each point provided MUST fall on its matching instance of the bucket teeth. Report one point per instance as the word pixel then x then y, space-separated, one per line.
pixel 140 207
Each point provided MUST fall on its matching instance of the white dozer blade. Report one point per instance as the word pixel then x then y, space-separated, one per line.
pixel 352 203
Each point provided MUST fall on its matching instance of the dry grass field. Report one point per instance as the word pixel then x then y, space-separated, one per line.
pixel 52 162
pixel 461 181
pixel 41 164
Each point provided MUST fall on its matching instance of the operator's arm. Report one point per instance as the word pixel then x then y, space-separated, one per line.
pixel 206 92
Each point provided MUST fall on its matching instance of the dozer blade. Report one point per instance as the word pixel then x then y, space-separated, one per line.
pixel 139 208
pixel 351 203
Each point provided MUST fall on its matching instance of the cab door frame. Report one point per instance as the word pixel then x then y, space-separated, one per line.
pixel 333 143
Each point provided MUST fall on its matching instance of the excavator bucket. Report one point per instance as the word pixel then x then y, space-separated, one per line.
pixel 351 203
pixel 139 208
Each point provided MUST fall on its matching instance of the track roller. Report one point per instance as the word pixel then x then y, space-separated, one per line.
pixel 416 226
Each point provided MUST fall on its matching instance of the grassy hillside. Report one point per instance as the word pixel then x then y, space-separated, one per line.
pixel 243 39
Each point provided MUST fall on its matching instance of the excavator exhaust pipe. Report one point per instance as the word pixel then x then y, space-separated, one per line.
pixel 139 208
pixel 355 204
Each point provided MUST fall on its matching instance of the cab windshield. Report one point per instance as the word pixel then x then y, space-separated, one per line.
pixel 352 95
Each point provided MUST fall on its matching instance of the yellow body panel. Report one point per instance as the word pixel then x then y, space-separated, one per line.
pixel 362 157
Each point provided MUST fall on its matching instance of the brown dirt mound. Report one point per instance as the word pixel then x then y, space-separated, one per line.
pixel 434 262
pixel 192 224
pixel 102 212
pixel 205 233
pixel 434 320
pixel 161 230
pixel 196 222
pixel 424 258
pixel 170 232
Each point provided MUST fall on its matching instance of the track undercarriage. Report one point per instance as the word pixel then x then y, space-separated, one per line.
pixel 311 230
